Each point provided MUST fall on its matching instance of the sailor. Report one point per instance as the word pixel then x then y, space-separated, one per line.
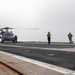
pixel 49 37
pixel 70 37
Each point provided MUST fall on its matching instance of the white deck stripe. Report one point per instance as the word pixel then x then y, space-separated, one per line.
pixel 62 49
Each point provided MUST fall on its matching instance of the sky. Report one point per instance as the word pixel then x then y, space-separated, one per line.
pixel 56 16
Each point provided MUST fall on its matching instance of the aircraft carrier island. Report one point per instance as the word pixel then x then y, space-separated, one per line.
pixel 38 58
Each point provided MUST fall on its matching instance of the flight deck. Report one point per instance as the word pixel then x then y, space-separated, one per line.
pixel 60 54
